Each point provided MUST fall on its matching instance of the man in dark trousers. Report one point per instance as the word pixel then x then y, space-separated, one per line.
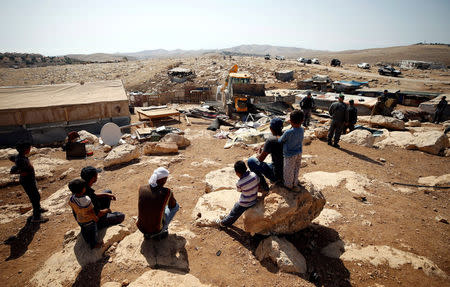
pixel 442 105
pixel 101 200
pixel 156 206
pixel 352 116
pixel 273 171
pixel 307 104
pixel 27 179
pixel 339 115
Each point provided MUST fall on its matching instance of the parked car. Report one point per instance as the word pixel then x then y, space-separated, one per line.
pixel 281 58
pixel 364 66
pixel 388 71
pixel 300 60
pixel 267 57
pixel 335 62
pixel 315 61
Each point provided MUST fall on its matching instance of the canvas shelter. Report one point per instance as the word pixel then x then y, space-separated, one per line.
pixel 46 113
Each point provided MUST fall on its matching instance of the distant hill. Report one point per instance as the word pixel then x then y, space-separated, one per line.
pixel 431 53
pixel 99 57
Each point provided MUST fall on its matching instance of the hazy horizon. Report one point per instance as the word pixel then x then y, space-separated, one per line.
pixel 56 28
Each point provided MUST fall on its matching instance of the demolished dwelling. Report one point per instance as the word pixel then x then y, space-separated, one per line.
pixel 180 75
pixel 430 106
pixel 422 65
pixel 347 86
pixel 364 105
pixel 317 83
pixel 281 95
pixel 45 114
pixel 285 75
pixel 406 98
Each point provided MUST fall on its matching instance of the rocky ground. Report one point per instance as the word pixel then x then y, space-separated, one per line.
pixel 370 232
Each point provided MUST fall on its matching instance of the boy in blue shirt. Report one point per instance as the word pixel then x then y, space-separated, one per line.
pixel 292 141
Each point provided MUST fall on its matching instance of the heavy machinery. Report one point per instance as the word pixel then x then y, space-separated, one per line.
pixel 230 102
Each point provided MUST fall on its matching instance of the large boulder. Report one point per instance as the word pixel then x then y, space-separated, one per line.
pixel 121 154
pixel 431 142
pixel 158 148
pixel 386 122
pixel 85 135
pixel 321 132
pixel 180 140
pixel 283 253
pixel 413 123
pixel 354 182
pixel 443 180
pixel 359 137
pixel 283 211
pixel 64 266
pixel 161 278
pixel 221 179
pixel 214 205
pixel 7 152
pixel 135 252
pixel 398 139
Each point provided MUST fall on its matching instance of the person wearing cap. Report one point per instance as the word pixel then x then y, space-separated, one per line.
pixel 100 200
pixel 352 116
pixel 380 105
pixel 27 178
pixel 156 206
pixel 339 118
pixel 272 171
pixel 440 109
pixel 307 104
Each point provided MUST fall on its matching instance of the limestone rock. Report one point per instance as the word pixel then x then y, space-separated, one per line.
pixel 121 154
pixel 6 178
pixel 214 205
pixel 386 122
pixel 112 284
pixel 85 135
pixel 66 173
pixel 359 137
pixel 180 140
pixel 413 123
pixel 443 180
pixel 283 211
pixel 161 278
pixel 224 178
pixel 134 252
pixel 327 216
pixel 64 266
pixel 321 132
pixel 431 142
pixel 283 253
pixel 157 148
pixel 447 152
pixel 7 152
pixel 107 148
pixel 354 182
pixel 399 139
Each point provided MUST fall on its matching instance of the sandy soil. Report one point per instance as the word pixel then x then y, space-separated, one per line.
pixel 403 221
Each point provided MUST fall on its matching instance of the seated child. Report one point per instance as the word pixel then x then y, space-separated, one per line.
pixel 84 213
pixel 247 185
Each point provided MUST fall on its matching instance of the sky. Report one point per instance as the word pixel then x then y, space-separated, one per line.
pixel 98 26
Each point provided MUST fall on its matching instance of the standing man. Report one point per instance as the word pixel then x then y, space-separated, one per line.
pixel 307 104
pixel 273 171
pixel 352 116
pixel 27 179
pixel 101 200
pixel 442 105
pixel 156 206
pixel 339 114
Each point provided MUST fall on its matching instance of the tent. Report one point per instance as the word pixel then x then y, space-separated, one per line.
pixel 47 113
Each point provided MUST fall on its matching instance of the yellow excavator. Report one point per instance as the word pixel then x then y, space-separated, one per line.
pixel 230 102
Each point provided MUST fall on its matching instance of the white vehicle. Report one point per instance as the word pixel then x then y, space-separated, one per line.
pixel 364 66
pixel 281 58
pixel 300 60
pixel 315 61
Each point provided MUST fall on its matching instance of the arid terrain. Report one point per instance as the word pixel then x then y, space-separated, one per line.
pixel 387 235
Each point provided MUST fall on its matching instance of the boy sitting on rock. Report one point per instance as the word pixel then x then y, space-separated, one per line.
pixel 247 185
pixel 83 210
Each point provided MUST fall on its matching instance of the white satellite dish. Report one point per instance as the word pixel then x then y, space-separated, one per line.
pixel 110 134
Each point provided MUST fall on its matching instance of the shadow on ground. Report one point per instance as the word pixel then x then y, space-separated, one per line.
pixel 19 242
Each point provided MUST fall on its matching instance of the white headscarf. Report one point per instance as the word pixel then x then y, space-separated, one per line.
pixel 158 173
